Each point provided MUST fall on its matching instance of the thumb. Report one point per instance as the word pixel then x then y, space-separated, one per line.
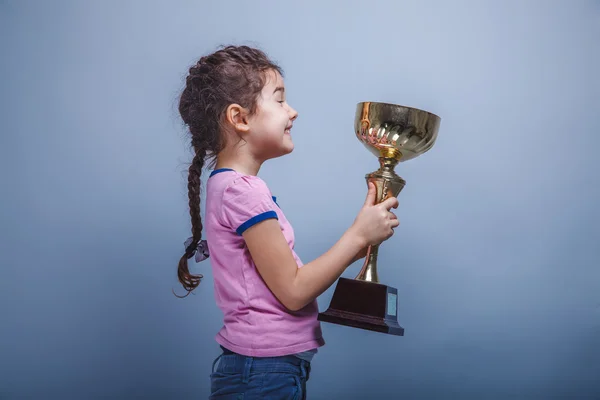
pixel 370 200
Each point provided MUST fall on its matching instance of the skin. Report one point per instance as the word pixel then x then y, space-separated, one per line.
pixel 265 135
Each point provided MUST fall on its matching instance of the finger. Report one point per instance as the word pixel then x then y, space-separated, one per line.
pixel 370 200
pixel 390 202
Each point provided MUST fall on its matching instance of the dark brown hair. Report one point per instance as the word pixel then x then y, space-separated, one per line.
pixel 232 74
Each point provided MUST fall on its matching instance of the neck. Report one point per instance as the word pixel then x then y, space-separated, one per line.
pixel 238 160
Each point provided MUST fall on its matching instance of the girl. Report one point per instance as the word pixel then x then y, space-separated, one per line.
pixel 235 108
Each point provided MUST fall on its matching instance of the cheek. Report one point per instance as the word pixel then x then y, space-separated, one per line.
pixel 283 116
pixel 276 120
pixel 272 120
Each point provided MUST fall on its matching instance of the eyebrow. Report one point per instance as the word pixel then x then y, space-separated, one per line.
pixel 279 89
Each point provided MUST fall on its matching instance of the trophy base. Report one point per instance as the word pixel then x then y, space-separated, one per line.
pixel 365 305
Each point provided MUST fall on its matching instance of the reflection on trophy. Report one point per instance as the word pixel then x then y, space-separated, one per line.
pixel 394 134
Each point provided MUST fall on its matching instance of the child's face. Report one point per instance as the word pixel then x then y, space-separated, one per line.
pixel 270 126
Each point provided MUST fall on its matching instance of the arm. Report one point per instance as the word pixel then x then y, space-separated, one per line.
pixel 361 254
pixel 296 287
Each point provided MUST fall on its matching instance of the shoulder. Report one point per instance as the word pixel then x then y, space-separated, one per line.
pixel 246 201
pixel 230 185
pixel 240 184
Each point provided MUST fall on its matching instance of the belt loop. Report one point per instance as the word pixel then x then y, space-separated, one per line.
pixel 215 362
pixel 305 369
pixel 247 369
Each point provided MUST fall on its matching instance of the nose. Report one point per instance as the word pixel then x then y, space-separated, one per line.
pixel 293 113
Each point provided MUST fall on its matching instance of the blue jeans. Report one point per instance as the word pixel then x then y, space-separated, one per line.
pixel 253 378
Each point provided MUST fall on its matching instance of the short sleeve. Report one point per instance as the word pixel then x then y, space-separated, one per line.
pixel 246 202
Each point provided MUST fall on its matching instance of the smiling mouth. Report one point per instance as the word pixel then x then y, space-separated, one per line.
pixel 288 130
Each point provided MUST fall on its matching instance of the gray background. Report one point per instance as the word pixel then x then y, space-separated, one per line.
pixel 496 259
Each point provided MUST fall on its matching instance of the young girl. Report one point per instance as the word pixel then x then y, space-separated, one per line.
pixel 235 107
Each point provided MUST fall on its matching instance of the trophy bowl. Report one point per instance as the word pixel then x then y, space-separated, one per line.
pixel 383 127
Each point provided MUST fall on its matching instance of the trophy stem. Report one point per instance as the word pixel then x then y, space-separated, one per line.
pixel 387 183
pixel 368 273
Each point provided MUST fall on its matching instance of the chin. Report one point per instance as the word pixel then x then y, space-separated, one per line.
pixel 288 147
pixel 287 151
pixel 282 152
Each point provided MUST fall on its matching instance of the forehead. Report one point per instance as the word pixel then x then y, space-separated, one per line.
pixel 273 81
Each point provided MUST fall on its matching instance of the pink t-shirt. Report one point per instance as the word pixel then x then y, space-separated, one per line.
pixel 256 324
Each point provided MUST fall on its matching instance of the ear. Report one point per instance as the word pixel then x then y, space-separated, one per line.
pixel 237 117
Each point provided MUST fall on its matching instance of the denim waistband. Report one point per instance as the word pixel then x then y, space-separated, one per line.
pixel 230 362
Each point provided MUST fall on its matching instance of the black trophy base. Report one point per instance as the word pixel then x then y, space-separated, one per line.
pixel 364 305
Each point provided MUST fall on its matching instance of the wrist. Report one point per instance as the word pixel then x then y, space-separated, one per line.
pixel 355 239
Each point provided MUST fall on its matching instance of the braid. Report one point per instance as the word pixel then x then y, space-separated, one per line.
pixel 189 281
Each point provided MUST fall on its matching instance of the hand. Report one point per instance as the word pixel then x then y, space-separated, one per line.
pixel 375 223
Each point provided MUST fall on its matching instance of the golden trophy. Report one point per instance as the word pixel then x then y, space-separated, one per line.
pixel 394 134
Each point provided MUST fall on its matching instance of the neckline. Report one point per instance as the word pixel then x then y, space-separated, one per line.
pixel 219 170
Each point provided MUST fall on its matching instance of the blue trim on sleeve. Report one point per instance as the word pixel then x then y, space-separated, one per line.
pixel 216 171
pixel 255 220
pixel 275 200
